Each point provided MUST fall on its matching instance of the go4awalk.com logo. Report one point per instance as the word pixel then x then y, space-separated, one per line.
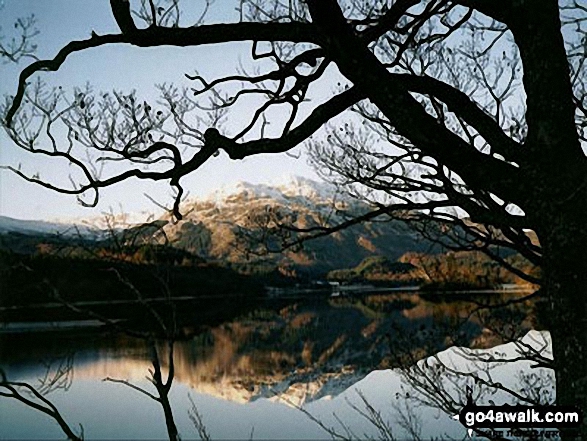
pixel 519 417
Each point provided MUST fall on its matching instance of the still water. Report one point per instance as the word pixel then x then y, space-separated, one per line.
pixel 280 369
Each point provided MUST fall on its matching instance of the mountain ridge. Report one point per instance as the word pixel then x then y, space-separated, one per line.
pixel 237 226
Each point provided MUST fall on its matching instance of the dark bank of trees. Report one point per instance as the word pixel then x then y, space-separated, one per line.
pixel 463 108
pixel 28 280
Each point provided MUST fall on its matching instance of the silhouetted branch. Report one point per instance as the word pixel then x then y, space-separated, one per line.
pixel 12 389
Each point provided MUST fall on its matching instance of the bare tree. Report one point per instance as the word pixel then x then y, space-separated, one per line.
pixel 159 332
pixel 463 108
pixel 162 359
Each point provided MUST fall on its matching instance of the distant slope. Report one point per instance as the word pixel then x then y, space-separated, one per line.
pixel 11 225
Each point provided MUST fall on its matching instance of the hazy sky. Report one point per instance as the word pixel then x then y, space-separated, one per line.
pixel 123 68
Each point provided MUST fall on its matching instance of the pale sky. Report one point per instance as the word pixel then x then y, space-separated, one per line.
pixel 123 68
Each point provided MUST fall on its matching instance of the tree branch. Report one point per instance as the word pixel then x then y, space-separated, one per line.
pixel 132 386
pixel 321 114
pixel 409 118
pixel 460 103
pixel 183 37
pixel 388 20
pixel 121 12
pixel 47 407
pixel 499 10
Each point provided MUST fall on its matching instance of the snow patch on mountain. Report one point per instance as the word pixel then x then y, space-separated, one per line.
pixel 297 188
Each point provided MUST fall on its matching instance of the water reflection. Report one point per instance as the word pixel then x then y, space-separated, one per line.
pixel 310 352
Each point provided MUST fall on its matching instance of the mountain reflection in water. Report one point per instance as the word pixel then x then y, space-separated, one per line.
pixel 310 352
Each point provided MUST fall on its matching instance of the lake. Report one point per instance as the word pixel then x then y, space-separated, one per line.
pixel 278 368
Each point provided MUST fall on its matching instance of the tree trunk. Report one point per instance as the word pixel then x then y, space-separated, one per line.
pixel 563 237
pixel 169 420
pixel 164 388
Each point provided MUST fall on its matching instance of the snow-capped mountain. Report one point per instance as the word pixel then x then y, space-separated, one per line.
pixel 240 224
pixel 298 190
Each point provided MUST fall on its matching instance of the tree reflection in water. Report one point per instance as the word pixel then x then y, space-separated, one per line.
pixel 299 351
